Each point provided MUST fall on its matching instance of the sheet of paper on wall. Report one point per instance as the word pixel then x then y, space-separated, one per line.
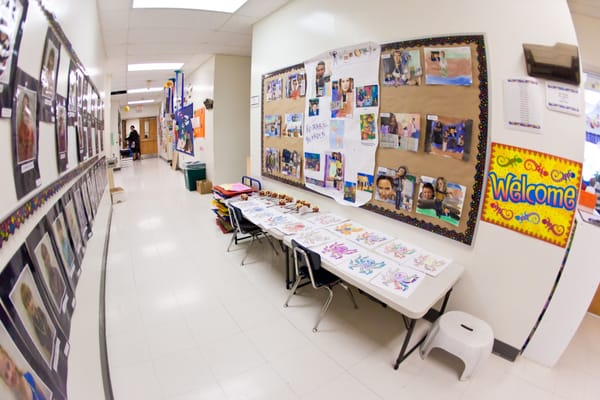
pixel 563 98
pixel 523 104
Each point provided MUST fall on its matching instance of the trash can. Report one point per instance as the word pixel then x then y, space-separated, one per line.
pixel 193 171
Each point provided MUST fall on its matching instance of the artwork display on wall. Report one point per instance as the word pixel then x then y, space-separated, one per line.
pixel 361 157
pixel 62 140
pixel 185 131
pixel 48 76
pixel 13 14
pixel 25 134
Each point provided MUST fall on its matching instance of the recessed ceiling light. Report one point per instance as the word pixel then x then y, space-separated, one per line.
pixel 227 6
pixel 140 101
pixel 154 66
pixel 145 90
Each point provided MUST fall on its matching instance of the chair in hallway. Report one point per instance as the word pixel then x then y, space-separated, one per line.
pixel 244 229
pixel 307 264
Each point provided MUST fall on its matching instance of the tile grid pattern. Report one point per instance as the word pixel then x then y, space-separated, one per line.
pixel 186 321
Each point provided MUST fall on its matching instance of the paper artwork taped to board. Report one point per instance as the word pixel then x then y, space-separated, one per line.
pixel 272 125
pixel 338 251
pixel 448 137
pixel 398 250
pixel 401 68
pixel 325 219
pixel 290 163
pixel 399 280
pixel 370 238
pixel 293 125
pixel 448 66
pixel 315 238
pixel 365 265
pixel 274 90
pixel 429 263
pixel 400 131
pixel 441 199
pixel 272 159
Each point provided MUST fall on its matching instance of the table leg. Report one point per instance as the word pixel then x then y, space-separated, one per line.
pixel 288 283
pixel 403 354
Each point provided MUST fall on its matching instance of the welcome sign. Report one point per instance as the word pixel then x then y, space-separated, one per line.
pixel 532 193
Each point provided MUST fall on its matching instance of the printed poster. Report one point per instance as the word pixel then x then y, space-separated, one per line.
pixel 341 130
pixel 532 193
pixel 199 122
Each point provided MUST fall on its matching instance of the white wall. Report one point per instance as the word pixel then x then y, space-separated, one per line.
pixel 231 117
pixel 507 276
pixel 588 32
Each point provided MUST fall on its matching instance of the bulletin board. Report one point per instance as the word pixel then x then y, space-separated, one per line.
pixel 436 90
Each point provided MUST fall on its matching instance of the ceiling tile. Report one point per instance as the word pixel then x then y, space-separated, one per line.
pixel 239 24
pixel 152 18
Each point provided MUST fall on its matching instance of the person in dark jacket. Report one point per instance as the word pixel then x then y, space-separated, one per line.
pixel 133 141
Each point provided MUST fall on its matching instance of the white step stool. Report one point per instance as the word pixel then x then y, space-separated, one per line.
pixel 463 335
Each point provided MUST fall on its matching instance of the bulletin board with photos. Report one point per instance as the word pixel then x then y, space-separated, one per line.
pixel 431 133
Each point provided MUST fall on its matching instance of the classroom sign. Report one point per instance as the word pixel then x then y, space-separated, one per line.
pixel 532 193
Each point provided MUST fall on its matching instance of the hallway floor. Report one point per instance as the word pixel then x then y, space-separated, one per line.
pixel 185 321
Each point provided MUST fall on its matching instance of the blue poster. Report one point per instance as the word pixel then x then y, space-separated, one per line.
pixel 184 130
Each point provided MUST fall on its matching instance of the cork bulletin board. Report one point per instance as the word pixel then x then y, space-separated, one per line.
pixel 432 133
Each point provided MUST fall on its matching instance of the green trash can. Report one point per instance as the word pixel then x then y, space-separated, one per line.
pixel 193 171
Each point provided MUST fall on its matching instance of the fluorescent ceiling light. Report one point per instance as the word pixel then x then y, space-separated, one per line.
pixel 227 6
pixel 145 90
pixel 154 66
pixel 140 101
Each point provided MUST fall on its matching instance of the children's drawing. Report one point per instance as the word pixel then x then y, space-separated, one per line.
pixel 272 159
pixel 402 68
pixel 334 170
pixel 347 228
pixel 315 238
pixel 336 134
pixel 367 96
pixel 325 219
pixel 429 263
pixel 398 250
pixel 448 66
pixel 337 251
pixel 294 227
pixel 399 280
pixel 274 89
pixel 312 161
pixel 368 128
pixel 365 265
pixel 290 163
pixel 370 239
pixel 350 191
pixel 364 182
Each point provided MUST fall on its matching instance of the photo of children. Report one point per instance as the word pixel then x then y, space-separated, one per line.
pixel 293 125
pixel 272 125
pixel 384 184
pixel 441 199
pixel 313 107
pixel 295 86
pixel 33 314
pixel 364 182
pixel 290 163
pixel 367 96
pixel 312 162
pixel 448 66
pixel 272 160
pixel 404 188
pixel 342 95
pixel 61 130
pixel 401 68
pixel 274 89
pixel 46 259
pixel 18 380
pixel 336 134
pixel 322 78
pixel 334 169
pixel 73 226
pixel 448 137
pixel 368 128
pixel 10 23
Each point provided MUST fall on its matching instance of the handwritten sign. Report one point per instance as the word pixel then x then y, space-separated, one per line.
pixel 532 193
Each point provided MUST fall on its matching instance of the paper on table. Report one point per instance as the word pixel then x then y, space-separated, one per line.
pixel 338 251
pixel 315 238
pixel 398 250
pixel 365 264
pixel 370 238
pixel 427 262
pixel 523 104
pixel 399 280
pixel 325 219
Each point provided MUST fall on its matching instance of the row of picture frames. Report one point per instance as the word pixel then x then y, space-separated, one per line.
pixel 399 129
pixel 29 101
pixel 37 294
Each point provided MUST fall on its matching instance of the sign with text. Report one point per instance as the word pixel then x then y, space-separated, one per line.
pixel 532 193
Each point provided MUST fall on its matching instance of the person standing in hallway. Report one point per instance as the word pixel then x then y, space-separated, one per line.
pixel 133 140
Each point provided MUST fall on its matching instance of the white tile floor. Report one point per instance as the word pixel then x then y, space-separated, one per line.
pixel 186 321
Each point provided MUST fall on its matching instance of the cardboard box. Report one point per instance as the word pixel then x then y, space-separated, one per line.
pixel 117 194
pixel 204 186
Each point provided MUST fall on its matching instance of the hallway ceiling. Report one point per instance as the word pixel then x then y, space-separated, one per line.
pixel 135 36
